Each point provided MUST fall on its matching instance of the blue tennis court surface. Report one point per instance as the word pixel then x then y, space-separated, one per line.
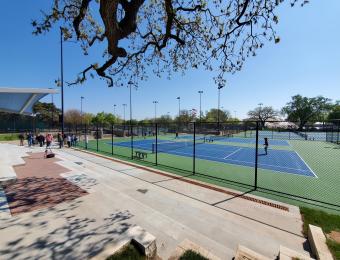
pixel 237 140
pixel 283 161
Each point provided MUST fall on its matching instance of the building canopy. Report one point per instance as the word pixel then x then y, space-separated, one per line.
pixel 21 100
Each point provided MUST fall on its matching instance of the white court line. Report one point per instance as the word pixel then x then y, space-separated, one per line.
pixel 264 164
pixel 233 153
pixel 306 164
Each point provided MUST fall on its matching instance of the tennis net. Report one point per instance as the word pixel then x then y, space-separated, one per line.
pixel 176 144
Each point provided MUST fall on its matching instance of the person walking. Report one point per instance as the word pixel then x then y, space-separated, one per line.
pixel 266 144
pixel 60 140
pixel 49 140
pixel 21 138
pixel 69 139
pixel 29 139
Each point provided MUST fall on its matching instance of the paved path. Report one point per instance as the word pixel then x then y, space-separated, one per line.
pixel 121 196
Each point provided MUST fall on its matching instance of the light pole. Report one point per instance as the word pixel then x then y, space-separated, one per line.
pixel 179 107
pixel 52 112
pixel 235 114
pixel 62 80
pixel 200 92
pixel 81 109
pixel 218 106
pixel 114 110
pixel 155 102
pixel 130 83
pixel 124 105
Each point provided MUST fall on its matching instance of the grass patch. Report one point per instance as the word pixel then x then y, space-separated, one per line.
pixel 9 137
pixel 328 223
pixel 335 248
pixel 191 255
pixel 128 252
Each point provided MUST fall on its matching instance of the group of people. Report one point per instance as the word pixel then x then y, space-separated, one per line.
pixel 40 139
pixel 70 140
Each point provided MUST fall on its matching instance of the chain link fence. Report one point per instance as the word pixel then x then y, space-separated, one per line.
pixel 280 158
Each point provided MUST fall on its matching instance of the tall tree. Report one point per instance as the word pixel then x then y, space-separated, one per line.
pixel 168 35
pixel 303 109
pixel 45 112
pixel 212 115
pixel 185 116
pixel 335 112
pixel 263 114
pixel 73 117
pixel 164 119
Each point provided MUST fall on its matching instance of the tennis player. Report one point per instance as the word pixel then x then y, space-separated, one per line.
pixel 266 144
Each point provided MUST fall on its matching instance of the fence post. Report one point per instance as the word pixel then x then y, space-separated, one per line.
pixel 194 151
pixel 256 153
pixel 97 136
pixel 85 136
pixel 338 140
pixel 112 139
pixel 131 132
pixel 76 135
pixel 156 143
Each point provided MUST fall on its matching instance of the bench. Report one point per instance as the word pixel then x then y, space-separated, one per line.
pixel 209 140
pixel 141 155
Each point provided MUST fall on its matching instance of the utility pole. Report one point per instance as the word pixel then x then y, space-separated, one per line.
pixel 200 92
pixel 114 110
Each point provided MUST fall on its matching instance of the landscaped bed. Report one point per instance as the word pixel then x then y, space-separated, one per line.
pixel 192 255
pixel 329 223
pixel 128 252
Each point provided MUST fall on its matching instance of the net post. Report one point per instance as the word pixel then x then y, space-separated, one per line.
pixel 97 137
pixel 156 155
pixel 256 153
pixel 194 151
pixel 112 138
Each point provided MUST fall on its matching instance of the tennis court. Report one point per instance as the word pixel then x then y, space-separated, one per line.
pixel 280 161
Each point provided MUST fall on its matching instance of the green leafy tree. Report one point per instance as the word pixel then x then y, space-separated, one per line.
pixel 306 110
pixel 335 112
pixel 164 119
pixel 87 118
pixel 186 116
pixel 45 112
pixel 212 115
pixel 263 114
pixel 165 35
pixel 99 118
pixel 110 119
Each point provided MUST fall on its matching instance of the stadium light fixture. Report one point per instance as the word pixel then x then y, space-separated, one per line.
pixel 200 92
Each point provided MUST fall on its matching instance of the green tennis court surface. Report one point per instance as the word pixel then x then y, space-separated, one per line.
pixel 320 180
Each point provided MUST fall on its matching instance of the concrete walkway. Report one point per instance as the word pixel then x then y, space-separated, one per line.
pixel 121 196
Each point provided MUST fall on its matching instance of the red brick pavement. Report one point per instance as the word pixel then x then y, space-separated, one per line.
pixel 40 185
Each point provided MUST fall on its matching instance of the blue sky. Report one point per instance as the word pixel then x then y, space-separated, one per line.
pixel 306 62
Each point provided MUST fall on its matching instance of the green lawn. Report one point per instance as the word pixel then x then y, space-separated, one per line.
pixel 9 137
pixel 322 157
pixel 328 223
